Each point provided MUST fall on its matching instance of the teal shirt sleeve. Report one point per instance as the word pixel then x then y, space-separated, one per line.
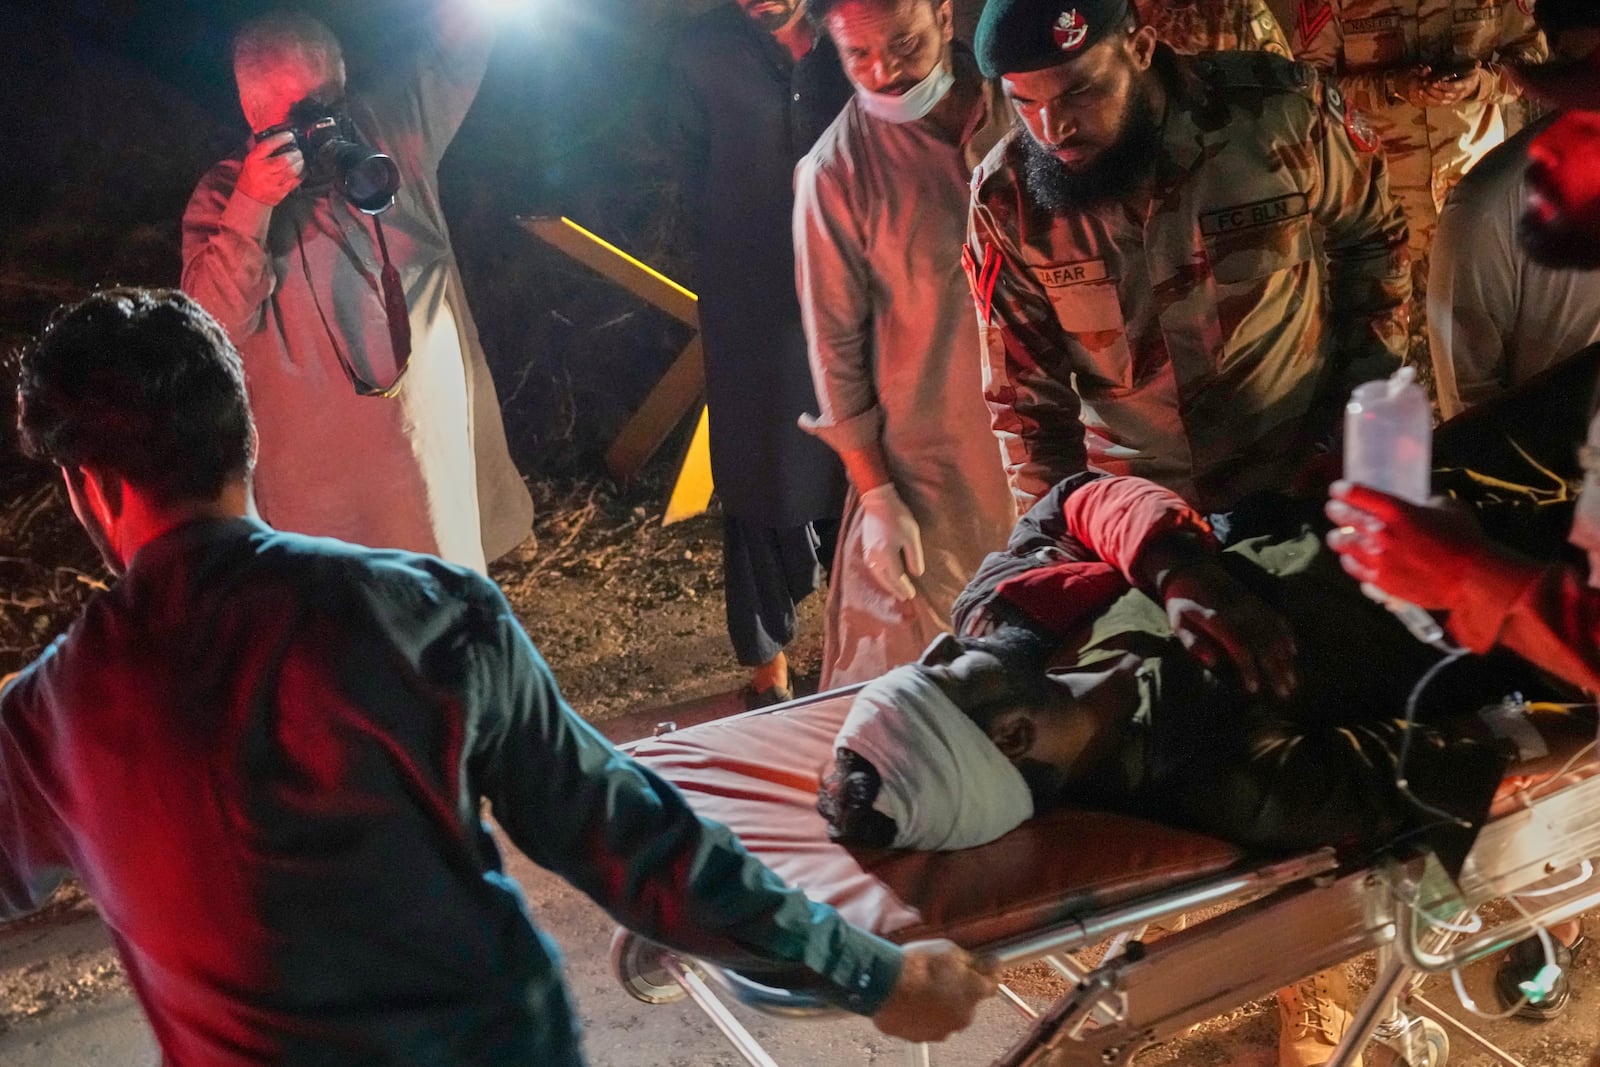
pixel 628 840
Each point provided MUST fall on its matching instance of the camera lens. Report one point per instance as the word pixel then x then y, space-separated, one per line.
pixel 367 179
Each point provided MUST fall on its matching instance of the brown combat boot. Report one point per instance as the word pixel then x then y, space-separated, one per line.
pixel 1313 1015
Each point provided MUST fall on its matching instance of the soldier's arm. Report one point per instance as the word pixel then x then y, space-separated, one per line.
pixel 834 283
pixel 1319 40
pixel 1521 41
pixel 1472 298
pixel 1364 236
pixel 1027 381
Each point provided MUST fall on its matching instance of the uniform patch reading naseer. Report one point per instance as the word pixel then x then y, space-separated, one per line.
pixel 1375 24
pixel 1057 275
pixel 1261 213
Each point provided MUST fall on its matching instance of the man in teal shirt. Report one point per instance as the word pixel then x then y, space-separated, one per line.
pixel 265 756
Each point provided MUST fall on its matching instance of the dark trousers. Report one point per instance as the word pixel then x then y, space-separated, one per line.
pixel 766 574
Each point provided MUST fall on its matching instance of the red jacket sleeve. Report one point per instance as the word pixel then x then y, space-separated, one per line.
pixel 1117 517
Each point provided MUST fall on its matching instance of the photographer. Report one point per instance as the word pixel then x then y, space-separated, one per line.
pixel 378 418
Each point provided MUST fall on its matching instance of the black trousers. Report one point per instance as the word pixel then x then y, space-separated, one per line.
pixel 767 572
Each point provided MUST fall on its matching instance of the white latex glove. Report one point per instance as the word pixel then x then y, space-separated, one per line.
pixel 891 541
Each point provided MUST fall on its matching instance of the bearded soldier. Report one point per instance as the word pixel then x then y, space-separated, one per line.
pixel 1144 257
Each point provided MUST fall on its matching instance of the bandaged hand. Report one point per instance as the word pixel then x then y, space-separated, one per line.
pixel 1219 622
pixel 891 541
pixel 1416 553
pixel 937 993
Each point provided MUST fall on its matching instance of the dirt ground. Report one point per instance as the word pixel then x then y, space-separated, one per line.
pixel 629 615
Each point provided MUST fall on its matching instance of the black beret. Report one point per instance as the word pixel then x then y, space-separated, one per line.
pixel 1021 35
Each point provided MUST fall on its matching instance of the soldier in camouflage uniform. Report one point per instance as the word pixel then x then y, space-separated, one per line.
pixel 1191 26
pixel 1144 260
pixel 1428 74
pixel 1183 327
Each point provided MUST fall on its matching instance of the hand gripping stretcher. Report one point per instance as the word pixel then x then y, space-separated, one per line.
pixel 1071 879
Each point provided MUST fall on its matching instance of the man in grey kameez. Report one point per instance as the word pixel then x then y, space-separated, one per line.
pixel 293 275
pixel 880 215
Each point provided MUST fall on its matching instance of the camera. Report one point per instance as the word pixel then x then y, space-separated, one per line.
pixel 337 158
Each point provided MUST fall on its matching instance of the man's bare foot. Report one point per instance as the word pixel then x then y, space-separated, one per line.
pixel 769 684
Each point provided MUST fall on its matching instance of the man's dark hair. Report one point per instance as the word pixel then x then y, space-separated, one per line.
pixel 141 384
pixel 1024 655
pixel 817 11
pixel 844 800
pixel 1558 16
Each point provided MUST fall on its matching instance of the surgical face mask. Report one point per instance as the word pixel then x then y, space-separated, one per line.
pixel 914 103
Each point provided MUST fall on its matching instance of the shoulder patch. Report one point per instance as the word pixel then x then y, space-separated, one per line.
pixel 1362 135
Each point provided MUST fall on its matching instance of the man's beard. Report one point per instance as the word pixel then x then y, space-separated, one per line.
pixel 1559 247
pixel 1121 167
pixel 772 18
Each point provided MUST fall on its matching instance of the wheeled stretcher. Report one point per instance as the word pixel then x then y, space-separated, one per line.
pixel 1069 880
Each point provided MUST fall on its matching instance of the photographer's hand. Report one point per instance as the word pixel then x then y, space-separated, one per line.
pixel 272 169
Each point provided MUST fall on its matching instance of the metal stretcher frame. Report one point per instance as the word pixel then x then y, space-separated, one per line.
pixel 1142 993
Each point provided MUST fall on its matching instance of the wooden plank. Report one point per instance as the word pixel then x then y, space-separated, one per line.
pixel 607 259
pixel 673 396
pixel 691 493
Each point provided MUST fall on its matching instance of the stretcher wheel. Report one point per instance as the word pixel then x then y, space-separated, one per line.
pixel 1423 1043
pixel 637 964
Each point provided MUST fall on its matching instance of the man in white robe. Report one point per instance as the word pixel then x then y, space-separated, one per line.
pixel 294 274
pixel 879 224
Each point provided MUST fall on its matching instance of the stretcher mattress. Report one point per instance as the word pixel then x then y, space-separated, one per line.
pixel 758 774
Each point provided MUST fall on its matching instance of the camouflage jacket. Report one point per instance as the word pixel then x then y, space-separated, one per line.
pixel 1191 26
pixel 1359 43
pixel 1189 332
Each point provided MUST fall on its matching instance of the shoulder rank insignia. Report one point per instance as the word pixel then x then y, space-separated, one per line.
pixel 1314 17
pixel 981 278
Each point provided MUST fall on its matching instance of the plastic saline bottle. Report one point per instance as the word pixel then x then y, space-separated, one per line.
pixel 1388 445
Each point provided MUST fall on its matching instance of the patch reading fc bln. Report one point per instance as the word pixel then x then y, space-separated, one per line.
pixel 1219 221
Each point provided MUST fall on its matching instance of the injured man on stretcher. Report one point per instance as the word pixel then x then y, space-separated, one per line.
pixel 1222 675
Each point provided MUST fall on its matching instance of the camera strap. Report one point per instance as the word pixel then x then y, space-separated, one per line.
pixel 394 310
pixel 395 313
